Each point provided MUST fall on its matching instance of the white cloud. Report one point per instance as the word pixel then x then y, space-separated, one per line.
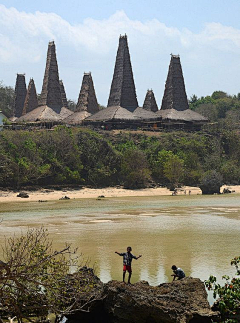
pixel 24 37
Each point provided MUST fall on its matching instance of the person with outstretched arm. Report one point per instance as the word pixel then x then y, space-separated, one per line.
pixel 127 261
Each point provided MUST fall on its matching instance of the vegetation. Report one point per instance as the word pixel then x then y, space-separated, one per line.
pixel 228 294
pixel 218 107
pixel 6 100
pixel 38 279
pixel 80 156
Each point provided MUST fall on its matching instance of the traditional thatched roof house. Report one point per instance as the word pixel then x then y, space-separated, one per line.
pixel 123 92
pixel 77 118
pixel 87 100
pixel 150 103
pixel 175 112
pixel 45 114
pixel 20 95
pixel 51 107
pixel 31 101
pixel 113 117
pixel 145 115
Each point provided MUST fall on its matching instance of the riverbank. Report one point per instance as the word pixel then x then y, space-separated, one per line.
pixel 50 195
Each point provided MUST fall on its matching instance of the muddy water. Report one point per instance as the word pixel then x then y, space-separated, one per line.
pixel 197 233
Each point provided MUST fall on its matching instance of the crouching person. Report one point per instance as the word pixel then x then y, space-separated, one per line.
pixel 177 273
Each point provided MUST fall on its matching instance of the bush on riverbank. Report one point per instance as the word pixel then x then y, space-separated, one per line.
pixel 84 157
pixel 228 295
pixel 38 279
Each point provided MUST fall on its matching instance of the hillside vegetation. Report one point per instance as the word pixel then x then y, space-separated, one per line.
pixel 83 157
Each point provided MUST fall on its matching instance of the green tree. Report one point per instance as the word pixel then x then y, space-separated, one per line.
pixel 173 170
pixel 134 169
pixel 6 99
pixel 228 295
pixel 211 182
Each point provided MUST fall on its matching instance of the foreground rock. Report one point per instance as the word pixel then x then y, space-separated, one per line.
pixel 180 301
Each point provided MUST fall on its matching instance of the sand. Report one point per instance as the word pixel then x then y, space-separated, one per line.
pixel 49 195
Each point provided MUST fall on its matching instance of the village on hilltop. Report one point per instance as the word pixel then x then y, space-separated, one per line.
pixel 122 111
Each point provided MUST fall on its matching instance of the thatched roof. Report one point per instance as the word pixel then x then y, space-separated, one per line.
pixel 186 115
pixel 145 114
pixel 45 114
pixel 12 119
pixel 112 113
pixel 77 117
pixel 150 103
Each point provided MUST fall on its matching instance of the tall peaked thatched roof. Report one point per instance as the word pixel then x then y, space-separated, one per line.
pixel 150 103
pixel 51 92
pixel 63 94
pixel 20 95
pixel 186 115
pixel 112 113
pixel 87 100
pixel 45 114
pixel 77 117
pixel 175 94
pixel 123 92
pixel 145 114
pixel 31 101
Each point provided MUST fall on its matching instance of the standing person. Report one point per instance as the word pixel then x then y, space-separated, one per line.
pixel 127 261
pixel 178 273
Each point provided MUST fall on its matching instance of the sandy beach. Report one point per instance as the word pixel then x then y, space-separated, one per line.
pixel 47 194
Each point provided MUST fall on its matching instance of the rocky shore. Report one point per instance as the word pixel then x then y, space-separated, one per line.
pixel 177 302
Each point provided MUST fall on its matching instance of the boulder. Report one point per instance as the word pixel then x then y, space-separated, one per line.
pixel 177 302
pixel 180 301
pixel 23 195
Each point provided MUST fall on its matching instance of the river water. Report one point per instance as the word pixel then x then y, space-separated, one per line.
pixel 200 234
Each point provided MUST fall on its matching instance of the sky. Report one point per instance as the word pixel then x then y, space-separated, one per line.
pixel 205 33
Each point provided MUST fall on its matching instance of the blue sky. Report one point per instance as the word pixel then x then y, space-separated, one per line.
pixel 206 34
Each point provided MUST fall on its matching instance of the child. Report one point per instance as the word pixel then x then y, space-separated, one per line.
pixel 178 273
pixel 127 260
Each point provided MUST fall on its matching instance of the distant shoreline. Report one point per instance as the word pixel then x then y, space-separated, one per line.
pixel 51 195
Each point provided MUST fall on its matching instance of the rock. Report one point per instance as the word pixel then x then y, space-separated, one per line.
pixel 64 198
pixel 23 195
pixel 226 191
pixel 181 301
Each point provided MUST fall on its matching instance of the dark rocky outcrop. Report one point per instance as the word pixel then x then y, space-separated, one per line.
pixel 180 301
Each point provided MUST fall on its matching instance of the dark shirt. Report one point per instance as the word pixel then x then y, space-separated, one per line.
pixel 127 258
pixel 179 272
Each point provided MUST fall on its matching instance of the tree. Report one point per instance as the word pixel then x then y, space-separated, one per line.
pixel 228 302
pixel 219 95
pixel 173 170
pixel 134 169
pixel 6 99
pixel 38 278
pixel 211 182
